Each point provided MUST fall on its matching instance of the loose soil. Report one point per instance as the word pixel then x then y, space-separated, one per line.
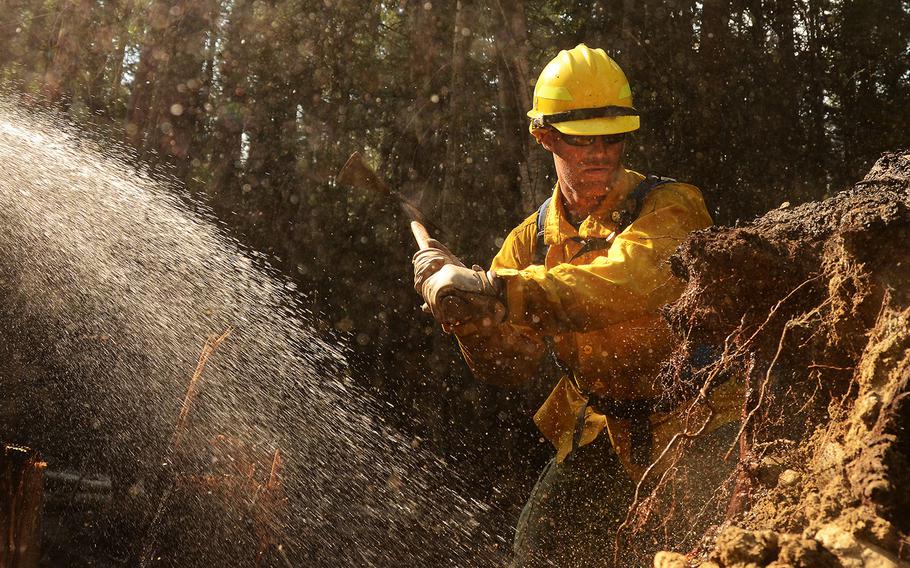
pixel 811 305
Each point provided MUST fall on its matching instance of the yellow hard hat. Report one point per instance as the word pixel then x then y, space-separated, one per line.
pixel 583 92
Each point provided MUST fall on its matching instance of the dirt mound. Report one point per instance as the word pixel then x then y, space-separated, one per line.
pixel 810 306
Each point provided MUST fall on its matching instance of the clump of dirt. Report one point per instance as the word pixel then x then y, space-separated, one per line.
pixel 810 307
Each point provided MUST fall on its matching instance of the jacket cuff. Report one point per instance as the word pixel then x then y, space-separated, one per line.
pixel 515 284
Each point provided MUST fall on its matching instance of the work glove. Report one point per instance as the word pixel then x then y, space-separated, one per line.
pixel 429 260
pixel 456 295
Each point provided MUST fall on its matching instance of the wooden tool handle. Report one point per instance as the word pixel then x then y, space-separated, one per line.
pixel 356 172
pixel 454 308
pixel 420 234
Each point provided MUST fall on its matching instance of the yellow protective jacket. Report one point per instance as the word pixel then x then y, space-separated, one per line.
pixel 601 311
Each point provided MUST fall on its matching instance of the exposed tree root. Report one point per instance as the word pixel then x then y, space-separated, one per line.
pixel 810 307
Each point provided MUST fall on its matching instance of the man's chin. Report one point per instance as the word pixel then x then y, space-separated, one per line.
pixel 595 189
pixel 598 177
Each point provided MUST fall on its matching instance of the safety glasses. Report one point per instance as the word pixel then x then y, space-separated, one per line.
pixel 574 140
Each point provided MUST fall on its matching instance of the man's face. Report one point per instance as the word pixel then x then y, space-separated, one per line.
pixel 588 171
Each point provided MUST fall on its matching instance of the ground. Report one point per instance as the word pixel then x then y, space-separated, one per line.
pixel 809 306
pixel 812 306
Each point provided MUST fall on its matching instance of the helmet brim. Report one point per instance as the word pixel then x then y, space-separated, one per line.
pixel 599 126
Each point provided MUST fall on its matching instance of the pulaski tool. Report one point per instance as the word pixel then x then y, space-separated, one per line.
pixel 357 173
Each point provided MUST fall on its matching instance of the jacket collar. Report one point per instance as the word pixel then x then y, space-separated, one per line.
pixel 600 224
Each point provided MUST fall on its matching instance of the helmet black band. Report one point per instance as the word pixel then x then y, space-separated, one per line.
pixel 583 114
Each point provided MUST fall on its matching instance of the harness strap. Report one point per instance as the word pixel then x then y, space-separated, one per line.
pixel 636 411
pixel 637 196
pixel 540 247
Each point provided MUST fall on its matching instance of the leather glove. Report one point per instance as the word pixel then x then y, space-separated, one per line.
pixel 457 294
pixel 429 260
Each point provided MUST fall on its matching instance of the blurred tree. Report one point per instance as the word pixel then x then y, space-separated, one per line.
pixel 28 34
pixel 230 86
pixel 521 159
pixel 257 103
pixel 415 148
pixel 871 72
pixel 271 127
pixel 169 92
pixel 814 60
pixel 75 31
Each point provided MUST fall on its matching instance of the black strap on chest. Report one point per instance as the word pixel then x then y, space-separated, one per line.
pixel 598 243
pixel 636 411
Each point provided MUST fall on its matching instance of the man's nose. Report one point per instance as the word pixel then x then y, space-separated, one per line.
pixel 599 147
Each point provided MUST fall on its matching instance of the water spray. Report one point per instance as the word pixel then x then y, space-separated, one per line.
pixel 109 280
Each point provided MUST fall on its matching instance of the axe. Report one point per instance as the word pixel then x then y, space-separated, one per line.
pixel 357 173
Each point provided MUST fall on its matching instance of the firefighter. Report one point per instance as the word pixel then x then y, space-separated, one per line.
pixel 582 280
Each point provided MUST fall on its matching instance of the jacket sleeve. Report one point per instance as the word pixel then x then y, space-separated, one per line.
pixel 507 354
pixel 631 280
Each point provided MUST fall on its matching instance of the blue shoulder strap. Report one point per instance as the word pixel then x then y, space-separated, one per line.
pixel 638 196
pixel 540 247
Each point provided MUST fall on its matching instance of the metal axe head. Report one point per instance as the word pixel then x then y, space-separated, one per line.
pixel 357 173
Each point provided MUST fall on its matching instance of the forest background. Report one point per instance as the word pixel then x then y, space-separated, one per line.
pixel 253 106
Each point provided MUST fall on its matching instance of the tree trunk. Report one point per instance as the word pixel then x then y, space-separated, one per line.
pixel 71 47
pixel 271 128
pixel 628 26
pixel 231 112
pixel 116 76
pixel 516 88
pixel 182 92
pixel 455 140
pixel 11 18
pixel 816 122
pixel 757 29
pixel 139 111
pixel 713 145
pixel 21 490
pixel 787 87
pixel 415 148
pixel 168 110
